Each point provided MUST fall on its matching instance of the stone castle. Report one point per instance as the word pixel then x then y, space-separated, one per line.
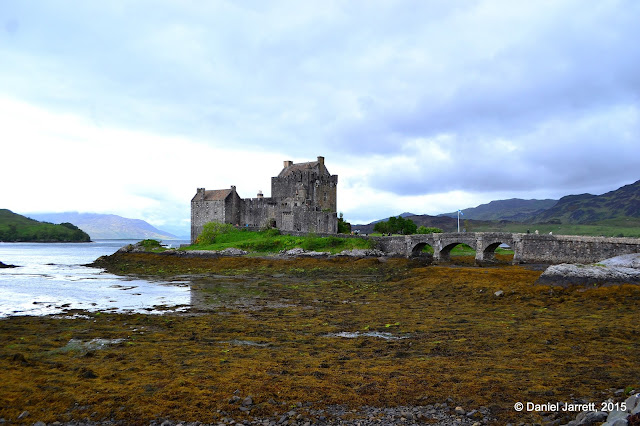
pixel 303 198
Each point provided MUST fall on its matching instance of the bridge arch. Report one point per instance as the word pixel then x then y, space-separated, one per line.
pixel 489 243
pixel 423 249
pixel 489 252
pixel 445 251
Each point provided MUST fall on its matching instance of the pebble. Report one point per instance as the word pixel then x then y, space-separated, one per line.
pixel 304 414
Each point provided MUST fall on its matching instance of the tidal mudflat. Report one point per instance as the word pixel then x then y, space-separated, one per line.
pixel 305 335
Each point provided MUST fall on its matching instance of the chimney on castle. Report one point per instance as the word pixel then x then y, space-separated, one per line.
pixel 287 163
pixel 233 188
pixel 321 160
pixel 260 194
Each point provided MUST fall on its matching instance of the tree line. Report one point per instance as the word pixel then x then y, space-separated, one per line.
pixel 400 225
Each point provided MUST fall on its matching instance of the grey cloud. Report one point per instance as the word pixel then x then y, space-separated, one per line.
pixel 357 79
pixel 590 152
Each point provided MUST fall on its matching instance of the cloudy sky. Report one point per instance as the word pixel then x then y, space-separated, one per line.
pixel 127 107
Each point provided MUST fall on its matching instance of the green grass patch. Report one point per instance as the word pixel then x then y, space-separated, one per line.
pixel 271 241
pixel 620 227
pixel 152 245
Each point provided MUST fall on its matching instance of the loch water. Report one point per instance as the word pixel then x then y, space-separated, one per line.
pixel 51 279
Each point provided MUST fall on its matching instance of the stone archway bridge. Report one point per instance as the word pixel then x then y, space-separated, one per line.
pixel 528 248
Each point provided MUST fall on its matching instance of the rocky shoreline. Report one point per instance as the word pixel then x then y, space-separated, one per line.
pixel 441 414
pixel 626 413
pixel 284 254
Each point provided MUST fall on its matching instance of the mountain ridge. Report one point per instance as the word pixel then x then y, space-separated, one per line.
pixel 513 209
pixel 620 203
pixel 616 206
pixel 106 226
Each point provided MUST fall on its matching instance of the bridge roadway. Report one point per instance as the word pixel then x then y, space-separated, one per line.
pixel 528 248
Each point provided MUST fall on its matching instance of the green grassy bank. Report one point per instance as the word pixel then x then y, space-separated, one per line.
pixel 271 241
pixel 625 227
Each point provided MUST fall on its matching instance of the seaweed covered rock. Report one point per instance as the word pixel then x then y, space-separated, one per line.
pixel 142 247
pixel 616 270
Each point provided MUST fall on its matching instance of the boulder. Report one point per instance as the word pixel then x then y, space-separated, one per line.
pixel 361 253
pixel 132 248
pixel 232 252
pixel 625 261
pixel 616 270
pixel 589 418
pixel 296 252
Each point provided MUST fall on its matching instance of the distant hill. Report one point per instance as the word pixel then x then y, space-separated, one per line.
pixel 447 224
pixel 613 213
pixel 405 214
pixel 622 203
pixel 514 209
pixel 106 226
pixel 18 228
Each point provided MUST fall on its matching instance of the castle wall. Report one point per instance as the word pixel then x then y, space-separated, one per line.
pixel 325 193
pixel 203 212
pixel 258 212
pixel 320 191
pixel 305 220
pixel 233 208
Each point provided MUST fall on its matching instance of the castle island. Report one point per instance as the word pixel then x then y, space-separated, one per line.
pixel 303 198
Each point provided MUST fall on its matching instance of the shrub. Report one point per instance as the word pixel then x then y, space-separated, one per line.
pixel 428 230
pixel 150 244
pixel 211 230
pixel 396 225
pixel 344 227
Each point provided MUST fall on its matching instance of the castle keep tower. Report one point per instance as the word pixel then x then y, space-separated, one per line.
pixel 303 198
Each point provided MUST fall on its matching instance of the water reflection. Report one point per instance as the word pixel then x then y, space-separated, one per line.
pixel 241 292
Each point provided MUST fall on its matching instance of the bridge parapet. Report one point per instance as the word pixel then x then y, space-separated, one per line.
pixel 528 248
pixel 573 249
